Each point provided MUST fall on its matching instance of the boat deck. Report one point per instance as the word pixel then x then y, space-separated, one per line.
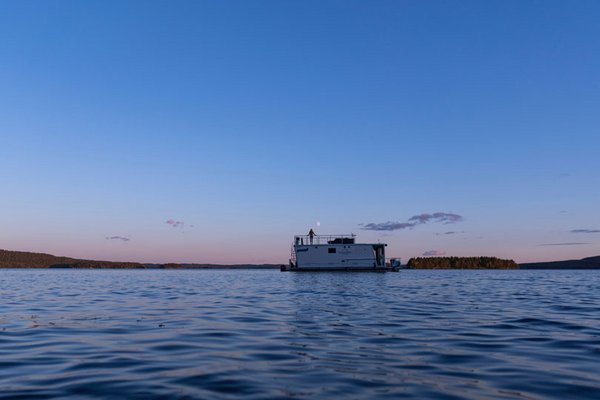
pixel 285 268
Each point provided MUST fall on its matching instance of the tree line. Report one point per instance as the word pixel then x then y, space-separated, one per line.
pixel 461 263
pixel 23 259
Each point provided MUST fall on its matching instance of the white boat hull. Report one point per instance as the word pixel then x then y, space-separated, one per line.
pixel 342 257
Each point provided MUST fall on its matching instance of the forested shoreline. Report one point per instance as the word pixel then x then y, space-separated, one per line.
pixel 23 259
pixel 461 263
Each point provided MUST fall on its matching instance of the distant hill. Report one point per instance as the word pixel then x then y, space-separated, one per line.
pixel 23 259
pixel 584 263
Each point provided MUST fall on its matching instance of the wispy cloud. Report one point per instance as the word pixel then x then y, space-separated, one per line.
pixel 446 218
pixel 563 244
pixel 449 233
pixel 121 238
pixel 434 253
pixel 175 224
pixel 438 217
pixel 387 226
pixel 585 230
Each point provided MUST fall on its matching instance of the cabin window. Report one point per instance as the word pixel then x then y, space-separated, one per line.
pixel 331 250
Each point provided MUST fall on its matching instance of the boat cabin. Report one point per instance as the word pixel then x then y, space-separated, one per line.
pixel 335 252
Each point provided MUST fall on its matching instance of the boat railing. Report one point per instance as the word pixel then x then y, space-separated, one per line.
pixel 324 239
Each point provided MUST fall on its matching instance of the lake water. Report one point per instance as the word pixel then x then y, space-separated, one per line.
pixel 267 334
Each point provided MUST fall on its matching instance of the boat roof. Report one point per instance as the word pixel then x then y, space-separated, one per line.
pixel 324 240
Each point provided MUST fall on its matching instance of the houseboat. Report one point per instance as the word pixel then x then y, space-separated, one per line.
pixel 337 253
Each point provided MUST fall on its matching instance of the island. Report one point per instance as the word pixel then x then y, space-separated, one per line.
pixel 461 263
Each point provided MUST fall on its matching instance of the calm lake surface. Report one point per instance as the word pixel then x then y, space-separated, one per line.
pixel 267 334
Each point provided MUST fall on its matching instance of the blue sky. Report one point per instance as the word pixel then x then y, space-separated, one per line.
pixel 250 122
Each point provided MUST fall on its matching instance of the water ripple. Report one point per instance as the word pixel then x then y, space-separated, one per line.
pixel 266 334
